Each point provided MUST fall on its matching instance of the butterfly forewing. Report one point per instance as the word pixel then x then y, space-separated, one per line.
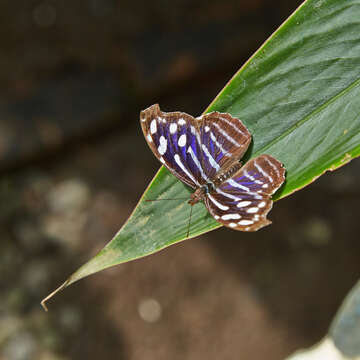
pixel 174 139
pixel 243 201
pixel 224 140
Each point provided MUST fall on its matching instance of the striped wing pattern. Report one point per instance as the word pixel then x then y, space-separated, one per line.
pixel 174 139
pixel 243 201
pixel 204 153
pixel 224 140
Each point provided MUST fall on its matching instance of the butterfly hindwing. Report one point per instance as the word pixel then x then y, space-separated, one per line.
pixel 243 201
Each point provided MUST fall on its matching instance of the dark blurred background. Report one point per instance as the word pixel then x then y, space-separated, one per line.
pixel 73 162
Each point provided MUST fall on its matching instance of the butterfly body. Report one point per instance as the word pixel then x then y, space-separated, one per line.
pixel 204 153
pixel 201 192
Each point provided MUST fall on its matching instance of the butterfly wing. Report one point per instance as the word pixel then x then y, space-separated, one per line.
pixel 174 138
pixel 243 201
pixel 224 140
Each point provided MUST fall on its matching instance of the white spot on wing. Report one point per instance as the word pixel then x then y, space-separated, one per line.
pixel 252 210
pixel 216 217
pixel 173 128
pixel 181 121
pixel 153 127
pixel 230 216
pixel 149 138
pixel 232 224
pixel 207 129
pixel 182 140
pixel 262 204
pixel 217 204
pixel 243 204
pixel 163 145
pixel 163 120
pixel 265 186
pixel 245 222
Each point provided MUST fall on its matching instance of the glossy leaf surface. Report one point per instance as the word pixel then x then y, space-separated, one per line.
pixel 299 96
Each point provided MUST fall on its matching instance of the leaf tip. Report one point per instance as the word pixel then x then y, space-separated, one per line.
pixel 61 287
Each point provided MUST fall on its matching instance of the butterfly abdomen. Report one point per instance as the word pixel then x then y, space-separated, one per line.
pixel 224 175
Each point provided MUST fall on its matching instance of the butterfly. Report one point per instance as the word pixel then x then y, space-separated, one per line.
pixel 204 153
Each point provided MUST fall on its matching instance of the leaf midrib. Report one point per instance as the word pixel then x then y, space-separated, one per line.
pixel 307 118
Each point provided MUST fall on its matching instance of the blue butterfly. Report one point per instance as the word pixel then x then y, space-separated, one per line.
pixel 204 153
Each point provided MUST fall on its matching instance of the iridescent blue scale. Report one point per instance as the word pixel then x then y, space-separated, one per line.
pixel 204 153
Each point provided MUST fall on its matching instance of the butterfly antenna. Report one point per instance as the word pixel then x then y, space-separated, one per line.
pixel 188 230
pixel 166 199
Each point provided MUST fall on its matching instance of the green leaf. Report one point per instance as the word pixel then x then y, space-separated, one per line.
pixel 299 96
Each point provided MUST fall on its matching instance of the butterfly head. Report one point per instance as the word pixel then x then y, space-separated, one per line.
pixel 199 194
